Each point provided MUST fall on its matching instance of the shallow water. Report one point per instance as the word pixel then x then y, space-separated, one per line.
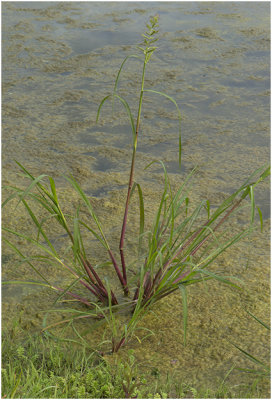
pixel 61 59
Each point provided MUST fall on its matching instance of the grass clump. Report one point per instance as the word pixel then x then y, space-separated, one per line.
pixel 38 367
pixel 174 253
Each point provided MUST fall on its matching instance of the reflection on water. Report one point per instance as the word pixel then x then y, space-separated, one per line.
pixel 84 42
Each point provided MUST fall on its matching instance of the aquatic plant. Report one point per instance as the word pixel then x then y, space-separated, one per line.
pixel 173 254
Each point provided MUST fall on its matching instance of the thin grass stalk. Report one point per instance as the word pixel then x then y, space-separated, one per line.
pixel 194 236
pixel 215 228
pixel 65 321
pixel 120 344
pixel 94 290
pixel 150 288
pixel 100 288
pixel 99 283
pixel 96 283
pixel 87 269
pixel 90 286
pixel 118 272
pixel 130 184
pixel 12 246
pixel 76 296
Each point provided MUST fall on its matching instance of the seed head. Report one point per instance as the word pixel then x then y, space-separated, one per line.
pixel 150 37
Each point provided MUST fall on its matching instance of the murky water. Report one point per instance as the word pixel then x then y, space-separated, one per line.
pixel 61 59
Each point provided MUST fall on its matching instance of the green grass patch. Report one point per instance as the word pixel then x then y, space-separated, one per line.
pixel 38 367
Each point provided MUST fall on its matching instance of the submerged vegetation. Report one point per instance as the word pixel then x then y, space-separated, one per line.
pixel 173 253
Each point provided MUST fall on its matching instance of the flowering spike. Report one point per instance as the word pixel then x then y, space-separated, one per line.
pixel 149 37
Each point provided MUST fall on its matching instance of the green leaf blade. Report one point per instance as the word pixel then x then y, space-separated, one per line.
pixel 183 291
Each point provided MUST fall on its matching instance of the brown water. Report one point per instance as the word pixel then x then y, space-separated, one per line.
pixel 59 61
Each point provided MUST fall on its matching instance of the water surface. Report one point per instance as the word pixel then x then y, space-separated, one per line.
pixel 61 58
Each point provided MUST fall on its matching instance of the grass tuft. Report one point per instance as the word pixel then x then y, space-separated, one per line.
pixel 177 251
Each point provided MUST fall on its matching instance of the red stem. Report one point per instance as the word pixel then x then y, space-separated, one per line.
pixel 122 238
pixel 216 227
pixel 99 287
pixel 120 344
pixel 102 287
pixel 121 278
pixel 159 273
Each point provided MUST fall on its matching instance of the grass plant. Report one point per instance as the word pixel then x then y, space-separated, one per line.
pixel 35 367
pixel 174 253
